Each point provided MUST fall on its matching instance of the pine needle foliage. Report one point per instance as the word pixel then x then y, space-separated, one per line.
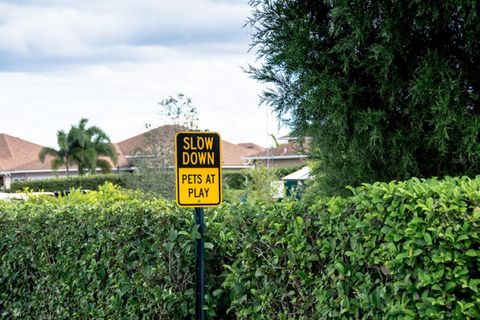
pixel 384 89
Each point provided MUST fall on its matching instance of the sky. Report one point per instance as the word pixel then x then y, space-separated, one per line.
pixel 113 61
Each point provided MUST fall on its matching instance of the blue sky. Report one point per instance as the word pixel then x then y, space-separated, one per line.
pixel 113 61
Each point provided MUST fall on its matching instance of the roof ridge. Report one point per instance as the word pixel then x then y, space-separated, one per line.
pixel 10 137
pixel 17 152
pixel 150 131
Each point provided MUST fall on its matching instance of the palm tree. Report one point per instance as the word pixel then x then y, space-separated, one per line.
pixel 62 156
pixel 90 148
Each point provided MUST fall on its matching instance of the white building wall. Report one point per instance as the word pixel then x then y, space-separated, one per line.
pixel 6 182
pixel 22 176
pixel 9 177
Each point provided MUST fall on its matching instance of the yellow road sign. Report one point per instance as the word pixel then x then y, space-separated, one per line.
pixel 198 169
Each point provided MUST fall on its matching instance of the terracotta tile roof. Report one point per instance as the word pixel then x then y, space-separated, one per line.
pixel 232 153
pixel 252 146
pixel 35 164
pixel 142 143
pixel 18 154
pixel 291 148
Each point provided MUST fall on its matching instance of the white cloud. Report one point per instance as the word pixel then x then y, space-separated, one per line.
pixel 113 61
pixel 121 98
pixel 83 29
pixel 50 31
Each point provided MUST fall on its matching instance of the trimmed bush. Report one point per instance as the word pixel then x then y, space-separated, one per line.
pixel 103 255
pixel 399 250
pixel 154 182
pixel 90 182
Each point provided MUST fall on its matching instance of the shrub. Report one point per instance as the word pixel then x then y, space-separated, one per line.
pixel 101 255
pixel 399 250
pixel 90 182
pixel 235 179
pixel 394 250
pixel 156 182
pixel 233 195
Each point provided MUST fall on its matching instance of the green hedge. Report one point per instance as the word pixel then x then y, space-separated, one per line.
pixel 102 255
pixel 63 184
pixel 402 250
pixel 231 179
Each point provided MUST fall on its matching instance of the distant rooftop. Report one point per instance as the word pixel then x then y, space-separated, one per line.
pixel 20 155
pixel 288 150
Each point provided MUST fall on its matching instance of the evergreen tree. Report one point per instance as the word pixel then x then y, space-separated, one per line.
pixel 383 89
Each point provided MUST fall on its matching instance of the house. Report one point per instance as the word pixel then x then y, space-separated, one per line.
pixel 19 161
pixel 290 154
pixel 19 158
pixel 161 140
pixel 233 154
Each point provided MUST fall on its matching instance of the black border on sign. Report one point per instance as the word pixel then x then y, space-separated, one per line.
pixel 177 178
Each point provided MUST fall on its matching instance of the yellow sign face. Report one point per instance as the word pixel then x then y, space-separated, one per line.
pixel 198 169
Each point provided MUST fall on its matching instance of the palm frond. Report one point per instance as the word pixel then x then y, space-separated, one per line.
pixel 57 163
pixel 82 123
pixel 104 165
pixel 87 144
pixel 62 141
pixel 98 135
pixel 106 150
pixel 46 151
pixel 77 138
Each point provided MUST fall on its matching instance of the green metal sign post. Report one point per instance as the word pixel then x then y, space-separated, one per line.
pixel 199 266
pixel 198 176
